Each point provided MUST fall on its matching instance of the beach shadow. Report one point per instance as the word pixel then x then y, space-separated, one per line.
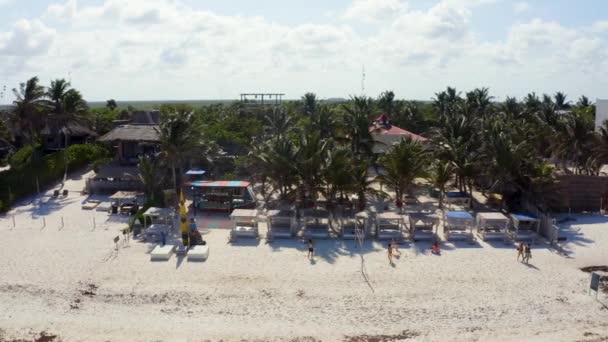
pixel 180 258
pixel 313 261
pixel 531 266
pixel 48 207
pixel 245 242
pixel 505 244
pixel 451 245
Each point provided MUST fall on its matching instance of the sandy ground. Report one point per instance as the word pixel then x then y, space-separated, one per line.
pixel 71 282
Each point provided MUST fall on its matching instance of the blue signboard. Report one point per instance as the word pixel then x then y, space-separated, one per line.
pixel 595 281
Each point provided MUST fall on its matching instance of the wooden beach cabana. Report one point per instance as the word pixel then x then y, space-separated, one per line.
pixel 390 225
pixel 423 226
pixel 492 226
pixel 244 223
pixel 353 226
pixel 457 198
pixel 281 224
pixel 458 225
pixel 524 227
pixel 316 223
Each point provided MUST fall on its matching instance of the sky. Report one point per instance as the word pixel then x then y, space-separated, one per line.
pixel 204 49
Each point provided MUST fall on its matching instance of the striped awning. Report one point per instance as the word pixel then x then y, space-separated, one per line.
pixel 220 184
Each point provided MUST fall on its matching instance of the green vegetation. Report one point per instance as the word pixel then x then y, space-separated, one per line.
pixel 30 169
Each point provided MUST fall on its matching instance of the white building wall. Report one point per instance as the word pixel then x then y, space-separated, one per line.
pixel 601 112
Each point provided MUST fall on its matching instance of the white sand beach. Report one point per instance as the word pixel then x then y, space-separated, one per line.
pixel 71 283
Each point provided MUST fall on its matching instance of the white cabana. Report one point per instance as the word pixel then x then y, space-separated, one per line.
pixel 457 198
pixel 244 223
pixel 458 225
pixel 423 226
pixel 524 227
pixel 160 215
pixel 281 224
pixel 390 225
pixel 354 226
pixel 492 226
pixel 316 224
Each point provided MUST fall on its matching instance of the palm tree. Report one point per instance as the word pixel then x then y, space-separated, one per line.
pixel 583 102
pixel 560 101
pixel 310 161
pixel 402 165
pixel 363 185
pixel 30 109
pixel 273 160
pixel 386 103
pixel 356 125
pixel 309 106
pixel 151 176
pixel 338 173
pixel 575 143
pixel 56 93
pixel 440 175
pixel 181 135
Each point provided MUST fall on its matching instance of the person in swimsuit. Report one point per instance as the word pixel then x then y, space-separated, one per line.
pixel 394 246
pixel 527 253
pixel 520 251
pixel 436 249
pixel 390 254
pixel 311 249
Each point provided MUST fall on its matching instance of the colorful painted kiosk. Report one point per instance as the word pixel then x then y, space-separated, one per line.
pixel 353 226
pixel 423 226
pixel 244 223
pixel 492 226
pixel 458 225
pixel 316 224
pixel 524 227
pixel 281 224
pixel 223 195
pixel 457 198
pixel 390 225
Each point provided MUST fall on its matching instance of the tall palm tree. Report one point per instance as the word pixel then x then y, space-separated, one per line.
pixel 583 102
pixel 576 142
pixel 440 175
pixel 309 104
pixel 181 135
pixel 356 123
pixel 29 109
pixel 111 104
pixel 560 101
pixel 386 102
pixel 151 176
pixel 338 173
pixel 274 160
pixel 311 156
pixel 402 165
pixel 56 93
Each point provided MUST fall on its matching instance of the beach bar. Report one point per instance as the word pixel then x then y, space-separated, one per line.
pixel 458 225
pixel 223 195
pixel 492 226
pixel 244 223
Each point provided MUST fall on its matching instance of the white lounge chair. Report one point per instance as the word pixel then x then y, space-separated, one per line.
pixel 162 253
pixel 198 253
pixel 90 204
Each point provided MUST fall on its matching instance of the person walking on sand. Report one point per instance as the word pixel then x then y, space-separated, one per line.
pixel 311 250
pixel 520 251
pixel 390 254
pixel 435 249
pixel 527 253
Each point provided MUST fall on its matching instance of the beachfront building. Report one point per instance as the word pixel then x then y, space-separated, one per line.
pixel 58 137
pixel 222 195
pixel 132 141
pixel 386 134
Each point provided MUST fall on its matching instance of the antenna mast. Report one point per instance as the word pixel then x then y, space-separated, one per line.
pixel 363 81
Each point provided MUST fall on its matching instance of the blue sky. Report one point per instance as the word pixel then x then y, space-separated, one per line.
pixel 188 49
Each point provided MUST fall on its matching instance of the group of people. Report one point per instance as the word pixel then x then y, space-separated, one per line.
pixel 394 252
pixel 524 251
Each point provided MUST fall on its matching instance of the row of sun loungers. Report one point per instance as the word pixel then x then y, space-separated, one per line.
pixel 194 253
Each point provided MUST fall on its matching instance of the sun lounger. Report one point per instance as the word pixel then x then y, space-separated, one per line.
pixel 198 253
pixel 162 252
pixel 90 205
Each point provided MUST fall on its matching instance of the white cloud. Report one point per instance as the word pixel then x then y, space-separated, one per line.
pixel 147 49
pixel 521 7
pixel 375 10
pixel 26 38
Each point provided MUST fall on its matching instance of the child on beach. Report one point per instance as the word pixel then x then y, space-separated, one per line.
pixel 390 254
pixel 435 249
pixel 311 249
pixel 527 253
pixel 394 246
pixel 520 251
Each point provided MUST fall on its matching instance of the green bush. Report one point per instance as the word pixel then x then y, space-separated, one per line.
pixel 28 171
